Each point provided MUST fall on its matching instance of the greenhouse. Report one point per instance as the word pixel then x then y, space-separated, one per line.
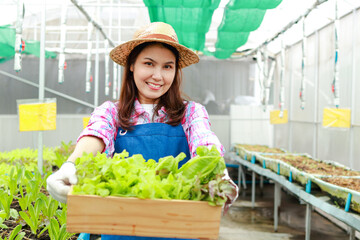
pixel 179 119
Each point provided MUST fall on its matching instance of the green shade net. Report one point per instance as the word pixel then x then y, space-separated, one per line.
pixel 240 18
pixel 7 48
pixel 191 19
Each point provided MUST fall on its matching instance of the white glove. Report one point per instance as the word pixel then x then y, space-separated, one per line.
pixel 58 183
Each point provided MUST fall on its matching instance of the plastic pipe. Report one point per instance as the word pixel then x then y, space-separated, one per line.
pixel 119 68
pixel 107 73
pixel 335 85
pixel 115 81
pixel 42 82
pixel 88 59
pixel 316 103
pixel 303 63
pixel 268 82
pixel 96 79
pixel 61 64
pixel 353 91
pixel 18 35
pixel 260 75
pixel 282 75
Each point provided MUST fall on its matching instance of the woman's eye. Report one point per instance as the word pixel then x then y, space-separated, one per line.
pixel 148 63
pixel 168 66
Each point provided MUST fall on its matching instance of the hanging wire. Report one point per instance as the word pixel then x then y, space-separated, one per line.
pixel 335 84
pixel 62 63
pixel 19 44
pixel 88 78
pixel 303 63
pixel 282 75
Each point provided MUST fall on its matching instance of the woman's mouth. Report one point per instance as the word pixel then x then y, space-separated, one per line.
pixel 154 86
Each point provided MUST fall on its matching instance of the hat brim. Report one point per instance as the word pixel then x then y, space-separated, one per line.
pixel 120 53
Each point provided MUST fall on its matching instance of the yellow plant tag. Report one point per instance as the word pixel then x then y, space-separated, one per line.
pixel 334 117
pixel 86 121
pixel 37 116
pixel 276 118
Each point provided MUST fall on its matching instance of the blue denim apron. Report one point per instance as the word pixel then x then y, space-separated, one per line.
pixel 153 141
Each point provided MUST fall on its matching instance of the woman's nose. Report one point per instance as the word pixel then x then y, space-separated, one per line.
pixel 157 74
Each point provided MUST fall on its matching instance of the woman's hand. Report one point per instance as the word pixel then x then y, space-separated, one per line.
pixel 58 184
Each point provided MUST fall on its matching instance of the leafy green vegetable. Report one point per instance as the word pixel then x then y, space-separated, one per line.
pixel 135 177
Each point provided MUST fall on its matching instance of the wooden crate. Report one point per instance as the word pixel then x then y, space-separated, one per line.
pixel 142 217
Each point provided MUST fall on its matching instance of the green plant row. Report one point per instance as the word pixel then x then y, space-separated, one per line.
pixel 26 210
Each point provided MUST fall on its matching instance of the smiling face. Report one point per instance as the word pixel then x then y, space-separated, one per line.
pixel 154 71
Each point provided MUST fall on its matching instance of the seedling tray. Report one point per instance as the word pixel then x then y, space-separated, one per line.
pixel 142 217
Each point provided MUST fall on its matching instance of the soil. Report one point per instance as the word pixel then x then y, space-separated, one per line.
pixel 260 148
pixel 312 166
pixel 351 183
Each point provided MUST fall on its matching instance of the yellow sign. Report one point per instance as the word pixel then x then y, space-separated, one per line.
pixel 276 118
pixel 334 117
pixel 37 116
pixel 86 121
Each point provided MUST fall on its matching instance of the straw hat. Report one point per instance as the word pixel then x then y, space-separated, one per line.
pixel 154 32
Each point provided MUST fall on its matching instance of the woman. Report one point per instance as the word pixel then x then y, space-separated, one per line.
pixel 151 117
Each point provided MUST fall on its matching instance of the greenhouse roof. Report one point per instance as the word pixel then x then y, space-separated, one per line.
pixel 212 27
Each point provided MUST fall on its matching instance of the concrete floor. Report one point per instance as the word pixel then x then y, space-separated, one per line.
pixel 243 222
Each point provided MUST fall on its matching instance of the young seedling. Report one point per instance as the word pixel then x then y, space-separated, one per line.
pixel 15 234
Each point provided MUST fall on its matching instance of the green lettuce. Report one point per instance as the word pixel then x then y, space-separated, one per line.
pixel 124 176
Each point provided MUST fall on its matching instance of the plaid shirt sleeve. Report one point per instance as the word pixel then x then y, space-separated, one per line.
pixel 196 126
pixel 103 125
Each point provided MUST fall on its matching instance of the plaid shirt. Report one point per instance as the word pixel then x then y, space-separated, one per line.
pixel 196 125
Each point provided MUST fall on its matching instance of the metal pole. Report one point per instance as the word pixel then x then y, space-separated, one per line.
pixel 42 82
pixel 308 221
pixel 253 190
pixel 277 197
pixel 351 233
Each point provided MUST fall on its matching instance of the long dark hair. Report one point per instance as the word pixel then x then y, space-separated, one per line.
pixel 172 100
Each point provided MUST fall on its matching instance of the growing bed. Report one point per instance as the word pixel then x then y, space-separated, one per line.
pixel 339 189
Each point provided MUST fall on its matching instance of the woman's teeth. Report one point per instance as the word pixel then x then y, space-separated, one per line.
pixel 154 85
